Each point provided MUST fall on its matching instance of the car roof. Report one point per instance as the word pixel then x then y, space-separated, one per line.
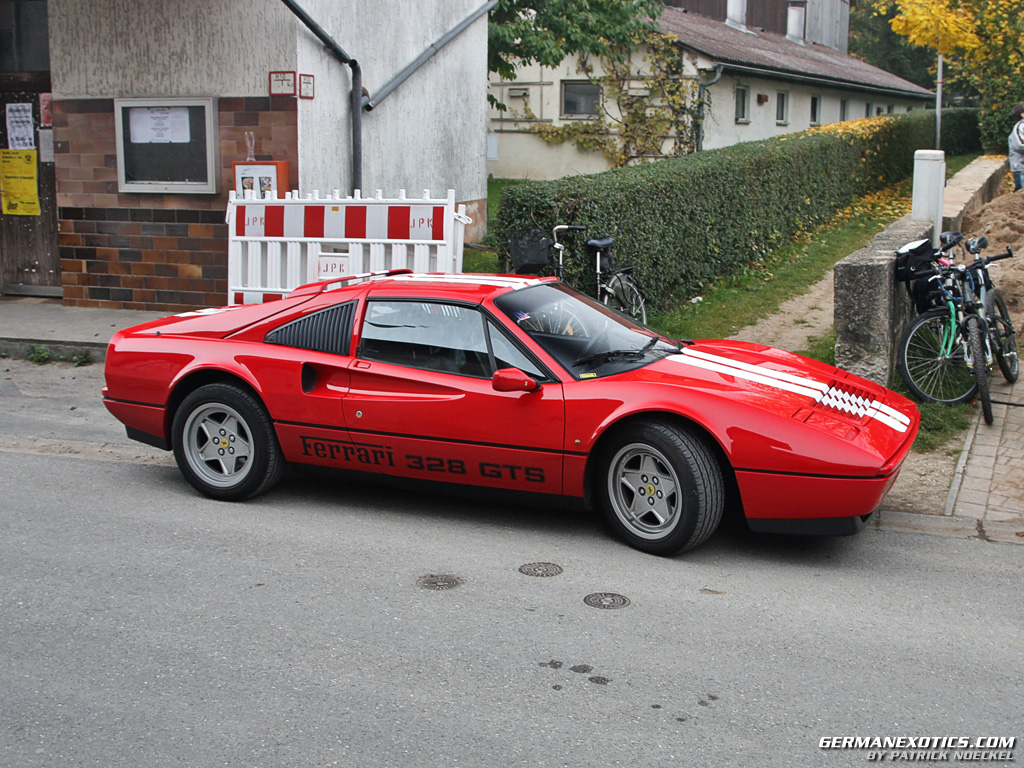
pixel 466 287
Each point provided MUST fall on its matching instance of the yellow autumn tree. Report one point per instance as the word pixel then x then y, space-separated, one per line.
pixel 983 42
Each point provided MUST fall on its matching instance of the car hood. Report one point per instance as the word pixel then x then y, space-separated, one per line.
pixel 836 404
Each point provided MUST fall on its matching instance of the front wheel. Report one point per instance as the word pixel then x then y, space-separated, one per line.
pixel 931 360
pixel 622 293
pixel 976 341
pixel 662 490
pixel 1002 335
pixel 224 443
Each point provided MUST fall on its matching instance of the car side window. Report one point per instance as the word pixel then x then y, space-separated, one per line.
pixel 428 335
pixel 508 355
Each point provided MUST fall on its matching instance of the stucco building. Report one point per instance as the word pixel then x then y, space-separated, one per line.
pixel 138 111
pixel 757 70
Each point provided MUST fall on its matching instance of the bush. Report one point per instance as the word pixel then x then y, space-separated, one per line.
pixel 685 222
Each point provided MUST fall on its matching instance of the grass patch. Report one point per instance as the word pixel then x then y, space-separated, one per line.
pixel 78 359
pixel 822 347
pixel 941 423
pixel 38 354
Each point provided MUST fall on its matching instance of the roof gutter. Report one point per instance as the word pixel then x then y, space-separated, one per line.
pixel 844 84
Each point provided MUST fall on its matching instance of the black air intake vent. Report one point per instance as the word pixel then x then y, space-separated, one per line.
pixel 329 330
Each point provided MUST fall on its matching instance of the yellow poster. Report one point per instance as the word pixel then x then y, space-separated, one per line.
pixel 19 184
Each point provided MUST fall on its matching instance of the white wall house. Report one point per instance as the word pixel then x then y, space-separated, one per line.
pixel 755 83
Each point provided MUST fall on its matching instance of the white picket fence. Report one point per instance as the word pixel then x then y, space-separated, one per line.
pixel 277 244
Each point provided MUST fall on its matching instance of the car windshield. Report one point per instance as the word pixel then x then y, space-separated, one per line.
pixel 587 338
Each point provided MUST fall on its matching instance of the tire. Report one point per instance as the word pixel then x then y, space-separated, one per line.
pixel 1002 335
pixel 930 375
pixel 661 488
pixel 622 293
pixel 976 340
pixel 245 461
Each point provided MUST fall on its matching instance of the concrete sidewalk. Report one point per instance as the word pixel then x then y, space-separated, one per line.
pixel 986 494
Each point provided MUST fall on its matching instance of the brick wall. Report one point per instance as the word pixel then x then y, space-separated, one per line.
pixel 163 252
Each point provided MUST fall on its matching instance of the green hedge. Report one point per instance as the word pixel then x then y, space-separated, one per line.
pixel 684 222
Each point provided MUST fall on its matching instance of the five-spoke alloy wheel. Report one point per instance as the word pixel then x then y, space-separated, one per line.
pixel 225 444
pixel 663 488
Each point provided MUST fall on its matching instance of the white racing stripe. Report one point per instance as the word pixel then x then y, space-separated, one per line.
pixel 830 397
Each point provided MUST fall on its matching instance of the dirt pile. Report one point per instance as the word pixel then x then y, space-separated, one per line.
pixel 1002 222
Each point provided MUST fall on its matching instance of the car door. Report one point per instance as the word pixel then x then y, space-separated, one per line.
pixel 421 386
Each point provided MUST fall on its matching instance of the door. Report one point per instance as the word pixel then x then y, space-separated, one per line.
pixel 29 253
pixel 422 383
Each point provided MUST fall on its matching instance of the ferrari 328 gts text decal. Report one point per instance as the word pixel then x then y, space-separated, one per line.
pixel 384 456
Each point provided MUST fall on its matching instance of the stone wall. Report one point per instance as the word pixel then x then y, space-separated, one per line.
pixel 871 307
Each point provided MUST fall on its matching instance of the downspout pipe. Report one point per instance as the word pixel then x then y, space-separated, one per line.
pixel 355 98
pixel 701 93
pixel 405 74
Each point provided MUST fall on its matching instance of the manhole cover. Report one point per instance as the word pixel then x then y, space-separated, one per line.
pixel 606 600
pixel 540 569
pixel 439 581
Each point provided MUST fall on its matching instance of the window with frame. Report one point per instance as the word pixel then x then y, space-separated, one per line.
pixel 166 146
pixel 869 110
pixel 844 110
pixel 580 98
pixel 815 110
pixel 742 104
pixel 782 107
pixel 435 336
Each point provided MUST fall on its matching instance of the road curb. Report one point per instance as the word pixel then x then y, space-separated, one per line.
pixel 21 347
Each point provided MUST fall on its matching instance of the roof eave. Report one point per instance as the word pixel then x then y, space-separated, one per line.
pixel 824 81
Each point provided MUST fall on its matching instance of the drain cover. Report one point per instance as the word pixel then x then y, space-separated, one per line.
pixel 606 600
pixel 540 569
pixel 439 581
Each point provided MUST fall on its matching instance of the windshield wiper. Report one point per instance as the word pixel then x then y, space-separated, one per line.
pixel 612 354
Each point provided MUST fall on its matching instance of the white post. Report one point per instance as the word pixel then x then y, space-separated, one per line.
pixel 938 107
pixel 929 189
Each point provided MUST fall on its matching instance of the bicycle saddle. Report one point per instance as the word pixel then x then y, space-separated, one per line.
pixel 599 243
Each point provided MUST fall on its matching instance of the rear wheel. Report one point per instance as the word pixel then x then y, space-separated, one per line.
pixel 931 360
pixel 224 443
pixel 976 340
pixel 622 293
pixel 1002 335
pixel 662 489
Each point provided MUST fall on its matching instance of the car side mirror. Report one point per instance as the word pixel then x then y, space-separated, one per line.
pixel 513 380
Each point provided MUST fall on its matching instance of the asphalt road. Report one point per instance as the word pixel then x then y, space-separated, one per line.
pixel 144 625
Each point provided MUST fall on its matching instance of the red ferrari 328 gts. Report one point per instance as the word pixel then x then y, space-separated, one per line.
pixel 511 383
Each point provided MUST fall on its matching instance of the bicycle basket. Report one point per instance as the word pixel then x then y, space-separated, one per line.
pixel 913 259
pixel 529 250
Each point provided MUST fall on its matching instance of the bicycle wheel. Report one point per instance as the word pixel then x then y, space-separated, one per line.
pixel 976 341
pixel 1002 335
pixel 931 360
pixel 622 293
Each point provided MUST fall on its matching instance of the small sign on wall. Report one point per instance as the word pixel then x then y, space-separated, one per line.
pixel 282 83
pixel 261 177
pixel 306 86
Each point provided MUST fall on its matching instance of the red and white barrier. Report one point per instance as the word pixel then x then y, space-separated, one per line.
pixel 275 245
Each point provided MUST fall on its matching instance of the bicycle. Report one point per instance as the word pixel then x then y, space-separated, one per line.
pixel 530 252
pixel 946 352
